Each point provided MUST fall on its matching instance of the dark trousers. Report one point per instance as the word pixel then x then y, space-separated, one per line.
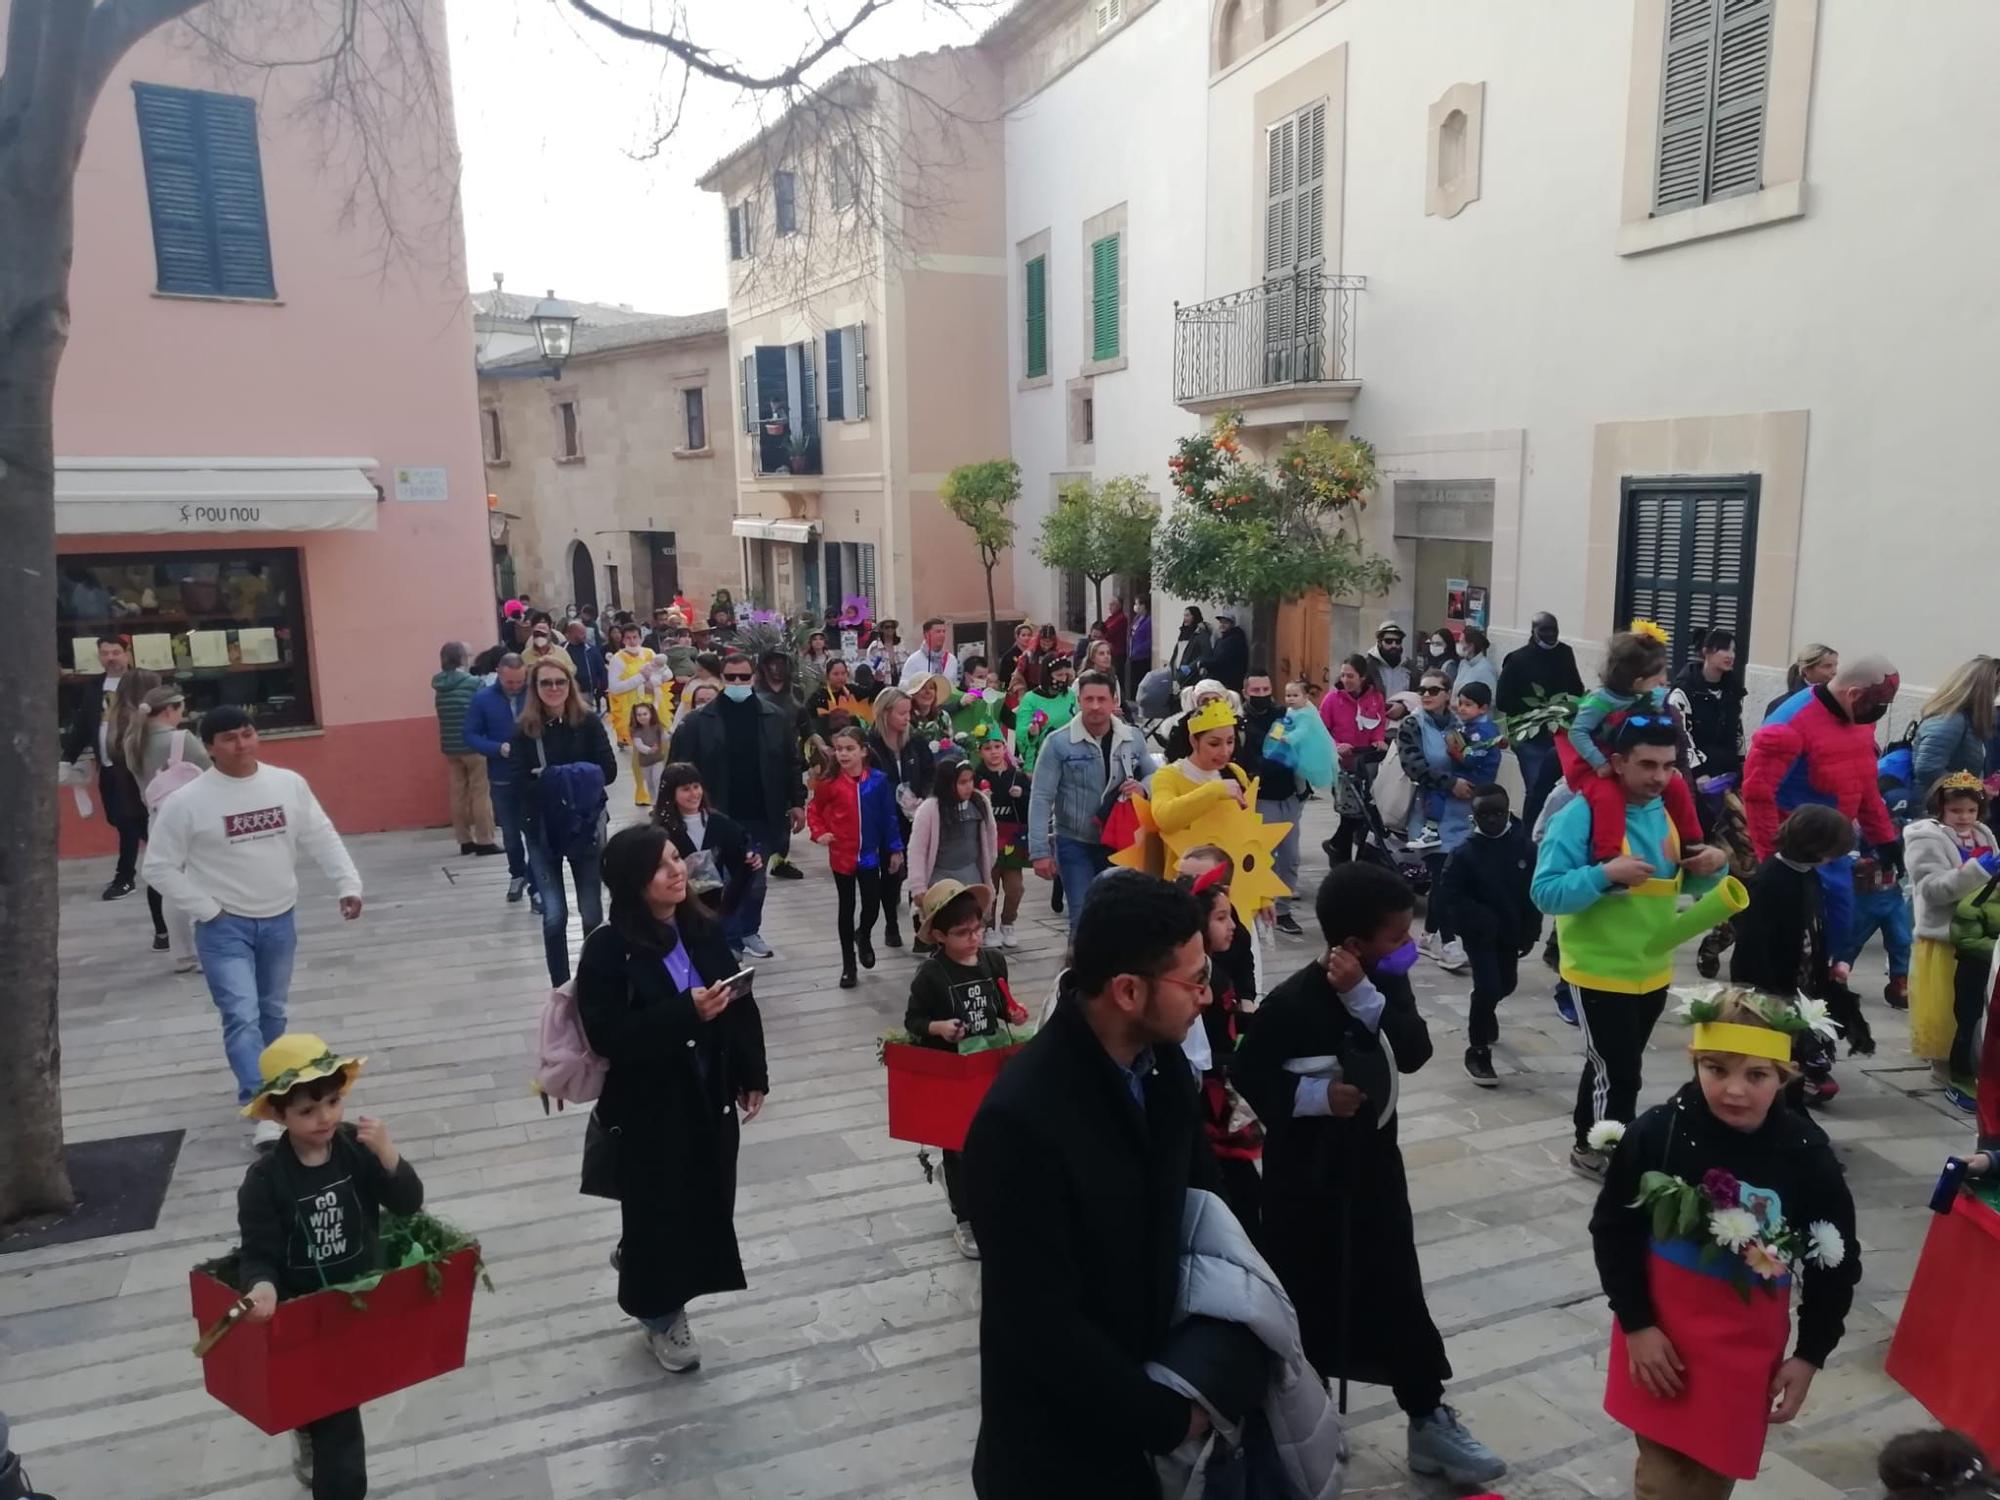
pixel 583 860
pixel 1243 1191
pixel 1615 1028
pixel 869 884
pixel 1968 1004
pixel 1437 912
pixel 158 908
pixel 1539 774
pixel 954 1185
pixel 131 834
pixel 1495 972
pixel 507 813
pixel 339 1456
pixel 892 887
pixel 1340 848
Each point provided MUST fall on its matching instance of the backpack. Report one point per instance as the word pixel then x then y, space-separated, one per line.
pixel 566 1070
pixel 174 775
pixel 570 799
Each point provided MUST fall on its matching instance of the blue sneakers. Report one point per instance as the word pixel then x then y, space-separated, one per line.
pixel 1440 1444
pixel 1960 1098
pixel 1565 1001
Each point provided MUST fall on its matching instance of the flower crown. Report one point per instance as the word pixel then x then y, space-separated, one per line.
pixel 1652 630
pixel 976 736
pixel 1214 714
pixel 1783 1020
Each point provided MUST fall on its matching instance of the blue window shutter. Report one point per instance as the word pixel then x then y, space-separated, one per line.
pixel 205 186
pixel 836 406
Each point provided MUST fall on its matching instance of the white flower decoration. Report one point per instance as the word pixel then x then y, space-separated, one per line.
pixel 1604 1135
pixel 1826 1248
pixel 1733 1228
pixel 1814 1014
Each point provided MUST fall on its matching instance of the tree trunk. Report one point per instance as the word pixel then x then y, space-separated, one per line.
pixel 34 327
pixel 1097 594
pixel 992 621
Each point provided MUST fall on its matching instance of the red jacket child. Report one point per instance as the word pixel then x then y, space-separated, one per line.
pixel 860 813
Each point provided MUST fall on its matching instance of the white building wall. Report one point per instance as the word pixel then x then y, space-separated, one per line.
pixel 1874 314
pixel 1123 126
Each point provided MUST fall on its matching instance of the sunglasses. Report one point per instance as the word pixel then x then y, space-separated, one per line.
pixel 1435 691
pixel 551 684
pixel 1647 721
pixel 735 677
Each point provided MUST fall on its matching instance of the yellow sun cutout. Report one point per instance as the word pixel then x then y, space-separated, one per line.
pixel 1240 832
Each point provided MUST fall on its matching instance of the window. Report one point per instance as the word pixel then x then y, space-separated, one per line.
pixel 205 187
pixel 739 231
pixel 1716 75
pixel 611 585
pixel 228 627
pixel 785 196
pixel 1109 13
pixel 491 435
pixel 569 437
pixel 1087 419
pixel 1035 298
pixel 780 393
pixel 694 418
pixel 843 165
pixel 846 374
pixel 1104 297
pixel 1686 555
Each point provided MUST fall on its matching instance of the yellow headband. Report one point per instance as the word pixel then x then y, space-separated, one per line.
pixel 1750 1041
pixel 1215 714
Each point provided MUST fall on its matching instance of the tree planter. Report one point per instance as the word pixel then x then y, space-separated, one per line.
pixel 322 1353
pixel 797 463
pixel 933 1094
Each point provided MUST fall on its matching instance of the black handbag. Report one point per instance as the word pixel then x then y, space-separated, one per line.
pixel 600 1159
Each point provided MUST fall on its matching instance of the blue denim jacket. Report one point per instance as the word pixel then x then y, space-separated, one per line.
pixel 1070 781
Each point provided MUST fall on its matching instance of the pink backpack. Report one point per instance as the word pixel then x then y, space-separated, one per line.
pixel 566 1070
pixel 174 775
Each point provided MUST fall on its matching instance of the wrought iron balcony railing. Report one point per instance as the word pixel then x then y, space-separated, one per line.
pixel 1292 330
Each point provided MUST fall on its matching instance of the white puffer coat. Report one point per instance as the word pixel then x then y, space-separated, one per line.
pixel 1223 1276
pixel 1939 877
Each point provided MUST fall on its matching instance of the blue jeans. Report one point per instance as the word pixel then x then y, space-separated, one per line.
pixel 744 916
pixel 1889 913
pixel 1284 858
pixel 248 964
pixel 507 798
pixel 1077 864
pixel 546 870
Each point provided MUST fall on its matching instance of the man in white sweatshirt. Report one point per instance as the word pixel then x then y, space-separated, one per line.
pixel 225 848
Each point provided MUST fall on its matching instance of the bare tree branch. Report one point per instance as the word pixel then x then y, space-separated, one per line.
pixel 702 61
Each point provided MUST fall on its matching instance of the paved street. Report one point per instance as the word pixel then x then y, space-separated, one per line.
pixel 849 1367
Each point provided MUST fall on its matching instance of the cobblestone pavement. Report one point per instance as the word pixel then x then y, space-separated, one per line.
pixel 849 1367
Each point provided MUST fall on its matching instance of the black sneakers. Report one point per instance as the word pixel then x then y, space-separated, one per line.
pixel 118 887
pixel 1479 1067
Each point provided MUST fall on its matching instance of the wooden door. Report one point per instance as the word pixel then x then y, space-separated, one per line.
pixel 1303 644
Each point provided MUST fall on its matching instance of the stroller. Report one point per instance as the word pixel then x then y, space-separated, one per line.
pixel 1377 843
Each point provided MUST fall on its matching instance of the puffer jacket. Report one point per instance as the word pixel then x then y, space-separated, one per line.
pixel 1945 743
pixel 1939 877
pixel 1223 1277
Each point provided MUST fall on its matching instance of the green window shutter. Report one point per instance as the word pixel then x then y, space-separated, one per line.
pixel 1104 298
pixel 1038 317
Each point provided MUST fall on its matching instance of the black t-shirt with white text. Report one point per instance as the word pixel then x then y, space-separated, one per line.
pixel 944 991
pixel 305 1228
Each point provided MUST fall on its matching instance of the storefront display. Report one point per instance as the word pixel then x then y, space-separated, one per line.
pixel 229 627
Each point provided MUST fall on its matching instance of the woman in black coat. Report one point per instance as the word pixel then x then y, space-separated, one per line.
pixel 694 825
pixel 558 731
pixel 686 1055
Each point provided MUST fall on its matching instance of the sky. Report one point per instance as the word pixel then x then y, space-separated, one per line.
pixel 556 118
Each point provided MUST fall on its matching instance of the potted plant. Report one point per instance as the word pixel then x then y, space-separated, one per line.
pixel 774 421
pixel 800 451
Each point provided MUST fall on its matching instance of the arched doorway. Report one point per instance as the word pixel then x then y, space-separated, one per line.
pixel 582 576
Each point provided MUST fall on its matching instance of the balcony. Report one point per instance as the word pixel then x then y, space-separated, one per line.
pixel 1282 352
pixel 780 455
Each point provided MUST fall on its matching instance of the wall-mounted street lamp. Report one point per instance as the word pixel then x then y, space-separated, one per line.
pixel 554 322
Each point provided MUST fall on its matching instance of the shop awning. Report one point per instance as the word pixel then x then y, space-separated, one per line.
pixel 760 530
pixel 95 496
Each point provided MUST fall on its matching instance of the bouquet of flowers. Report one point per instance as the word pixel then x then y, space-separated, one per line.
pixel 1724 1218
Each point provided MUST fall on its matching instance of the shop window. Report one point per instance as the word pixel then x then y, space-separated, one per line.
pixel 229 627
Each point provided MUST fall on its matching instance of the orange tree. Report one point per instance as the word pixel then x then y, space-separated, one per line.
pixel 1269 534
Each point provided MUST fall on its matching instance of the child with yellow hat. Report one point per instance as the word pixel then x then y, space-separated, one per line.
pixel 310 1214
pixel 1714 1204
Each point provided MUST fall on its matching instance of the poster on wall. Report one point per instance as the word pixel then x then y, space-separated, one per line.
pixel 1475 606
pixel 1455 590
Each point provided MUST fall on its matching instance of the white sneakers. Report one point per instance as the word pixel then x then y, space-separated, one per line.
pixel 674 1346
pixel 1006 935
pixel 266 1133
pixel 963 1237
pixel 1449 956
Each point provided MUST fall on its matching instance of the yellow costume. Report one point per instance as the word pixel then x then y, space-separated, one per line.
pixel 630 669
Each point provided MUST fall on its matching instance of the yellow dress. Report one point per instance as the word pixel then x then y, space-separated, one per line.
pixel 626 685
pixel 1933 974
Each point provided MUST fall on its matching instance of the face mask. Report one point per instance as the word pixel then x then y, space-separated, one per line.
pixel 736 692
pixel 1399 962
pixel 1256 701
pixel 1869 713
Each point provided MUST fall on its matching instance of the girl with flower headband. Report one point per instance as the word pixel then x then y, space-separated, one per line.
pixel 1950 856
pixel 1631 687
pixel 1714 1205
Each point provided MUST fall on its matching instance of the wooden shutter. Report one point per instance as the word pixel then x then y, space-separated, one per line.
pixel 236 196
pixel 867 571
pixel 784 194
pixel 735 232
pixel 1036 296
pixel 1687 556
pixel 1309 190
pixel 859 405
pixel 1281 246
pixel 205 192
pixel 1742 80
pixel 836 406
pixel 1686 104
pixel 749 381
pixel 1104 298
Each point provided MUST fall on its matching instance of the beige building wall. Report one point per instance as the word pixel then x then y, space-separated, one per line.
pixel 633 477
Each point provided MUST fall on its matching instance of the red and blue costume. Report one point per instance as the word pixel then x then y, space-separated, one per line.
pixel 860 813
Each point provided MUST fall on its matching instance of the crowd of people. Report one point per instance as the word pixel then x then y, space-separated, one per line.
pixel 1181 1058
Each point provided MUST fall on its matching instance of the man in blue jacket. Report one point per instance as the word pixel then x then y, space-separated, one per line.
pixel 489 729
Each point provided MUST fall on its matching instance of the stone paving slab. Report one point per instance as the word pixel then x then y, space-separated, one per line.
pixel 849 1366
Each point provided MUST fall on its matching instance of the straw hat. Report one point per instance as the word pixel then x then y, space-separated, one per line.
pixel 940 895
pixel 296 1057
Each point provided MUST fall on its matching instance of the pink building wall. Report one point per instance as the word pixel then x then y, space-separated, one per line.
pixel 354 359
